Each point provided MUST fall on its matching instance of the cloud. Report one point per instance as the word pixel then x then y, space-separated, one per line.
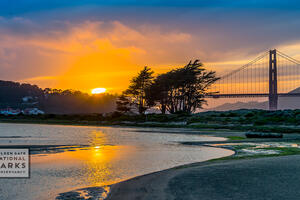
pixel 85 54
pixel 82 43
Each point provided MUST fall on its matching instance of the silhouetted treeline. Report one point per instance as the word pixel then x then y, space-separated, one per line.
pixel 179 90
pixel 16 95
pixel 11 93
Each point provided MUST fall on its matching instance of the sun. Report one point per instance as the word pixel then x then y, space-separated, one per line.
pixel 98 90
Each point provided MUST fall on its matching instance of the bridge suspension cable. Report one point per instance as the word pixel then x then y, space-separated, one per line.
pixel 253 79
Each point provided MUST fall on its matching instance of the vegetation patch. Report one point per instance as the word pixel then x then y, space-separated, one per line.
pixel 235 138
pixel 257 150
pixel 284 121
pixel 263 135
pixel 286 150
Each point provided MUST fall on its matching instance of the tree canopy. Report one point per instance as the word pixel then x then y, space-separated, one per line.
pixel 179 90
pixel 138 88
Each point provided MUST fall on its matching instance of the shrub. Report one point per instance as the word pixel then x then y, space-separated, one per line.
pixel 263 135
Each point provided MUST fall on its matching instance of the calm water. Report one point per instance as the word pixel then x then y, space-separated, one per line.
pixel 112 155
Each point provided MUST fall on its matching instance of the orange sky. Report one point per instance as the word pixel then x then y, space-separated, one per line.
pixel 96 54
pixel 89 44
pixel 81 59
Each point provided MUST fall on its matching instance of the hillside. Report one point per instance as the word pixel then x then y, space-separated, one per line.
pixel 17 95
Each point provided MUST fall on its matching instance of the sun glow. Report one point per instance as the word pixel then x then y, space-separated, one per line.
pixel 98 90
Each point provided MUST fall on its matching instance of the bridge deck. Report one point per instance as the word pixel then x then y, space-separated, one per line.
pixel 250 95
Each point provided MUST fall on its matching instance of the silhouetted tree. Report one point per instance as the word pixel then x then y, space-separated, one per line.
pixel 123 104
pixel 138 87
pixel 158 93
pixel 182 89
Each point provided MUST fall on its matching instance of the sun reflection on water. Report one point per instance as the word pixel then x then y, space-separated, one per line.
pixel 97 156
pixel 97 161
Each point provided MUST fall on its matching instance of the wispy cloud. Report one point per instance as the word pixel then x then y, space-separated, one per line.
pixel 81 43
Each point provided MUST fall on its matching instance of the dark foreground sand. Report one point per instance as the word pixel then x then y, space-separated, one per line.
pixel 263 178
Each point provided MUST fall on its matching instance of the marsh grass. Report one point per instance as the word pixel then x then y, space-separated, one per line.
pixel 235 138
pixel 283 151
pixel 282 121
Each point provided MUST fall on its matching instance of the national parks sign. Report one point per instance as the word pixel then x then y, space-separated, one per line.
pixel 14 163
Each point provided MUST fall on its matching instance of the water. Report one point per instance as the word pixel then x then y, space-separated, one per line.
pixel 105 155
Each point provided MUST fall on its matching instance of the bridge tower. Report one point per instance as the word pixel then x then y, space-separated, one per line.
pixel 273 96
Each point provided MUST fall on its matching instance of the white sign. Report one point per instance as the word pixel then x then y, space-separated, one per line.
pixel 14 163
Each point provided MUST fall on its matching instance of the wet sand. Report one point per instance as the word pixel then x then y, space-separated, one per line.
pixel 261 178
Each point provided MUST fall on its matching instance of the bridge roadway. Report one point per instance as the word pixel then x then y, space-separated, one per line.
pixel 250 95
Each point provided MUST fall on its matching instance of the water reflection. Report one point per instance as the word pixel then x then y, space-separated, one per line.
pixel 97 162
pixel 99 156
pixel 97 138
pixel 100 163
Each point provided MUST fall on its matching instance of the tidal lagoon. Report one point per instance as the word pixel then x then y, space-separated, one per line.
pixel 68 158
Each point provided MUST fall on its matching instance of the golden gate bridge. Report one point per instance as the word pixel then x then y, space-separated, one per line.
pixel 273 74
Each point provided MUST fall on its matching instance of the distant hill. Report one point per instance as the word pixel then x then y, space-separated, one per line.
pixel 56 101
pixel 289 102
pixel 241 105
pixel 12 93
pixel 283 103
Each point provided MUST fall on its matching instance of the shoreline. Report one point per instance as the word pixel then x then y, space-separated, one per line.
pixel 254 120
pixel 107 192
pixel 95 190
pixel 160 176
pixel 183 130
pixel 116 190
pixel 152 124
pixel 137 187
pixel 156 185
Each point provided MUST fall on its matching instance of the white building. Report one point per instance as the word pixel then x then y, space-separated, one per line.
pixel 32 111
pixel 10 111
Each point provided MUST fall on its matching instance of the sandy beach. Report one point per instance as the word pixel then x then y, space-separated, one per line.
pixel 262 178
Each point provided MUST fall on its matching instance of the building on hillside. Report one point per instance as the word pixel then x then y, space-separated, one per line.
pixel 32 111
pixel 10 111
pixel 27 111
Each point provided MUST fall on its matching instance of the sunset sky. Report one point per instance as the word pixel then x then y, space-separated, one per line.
pixel 86 44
